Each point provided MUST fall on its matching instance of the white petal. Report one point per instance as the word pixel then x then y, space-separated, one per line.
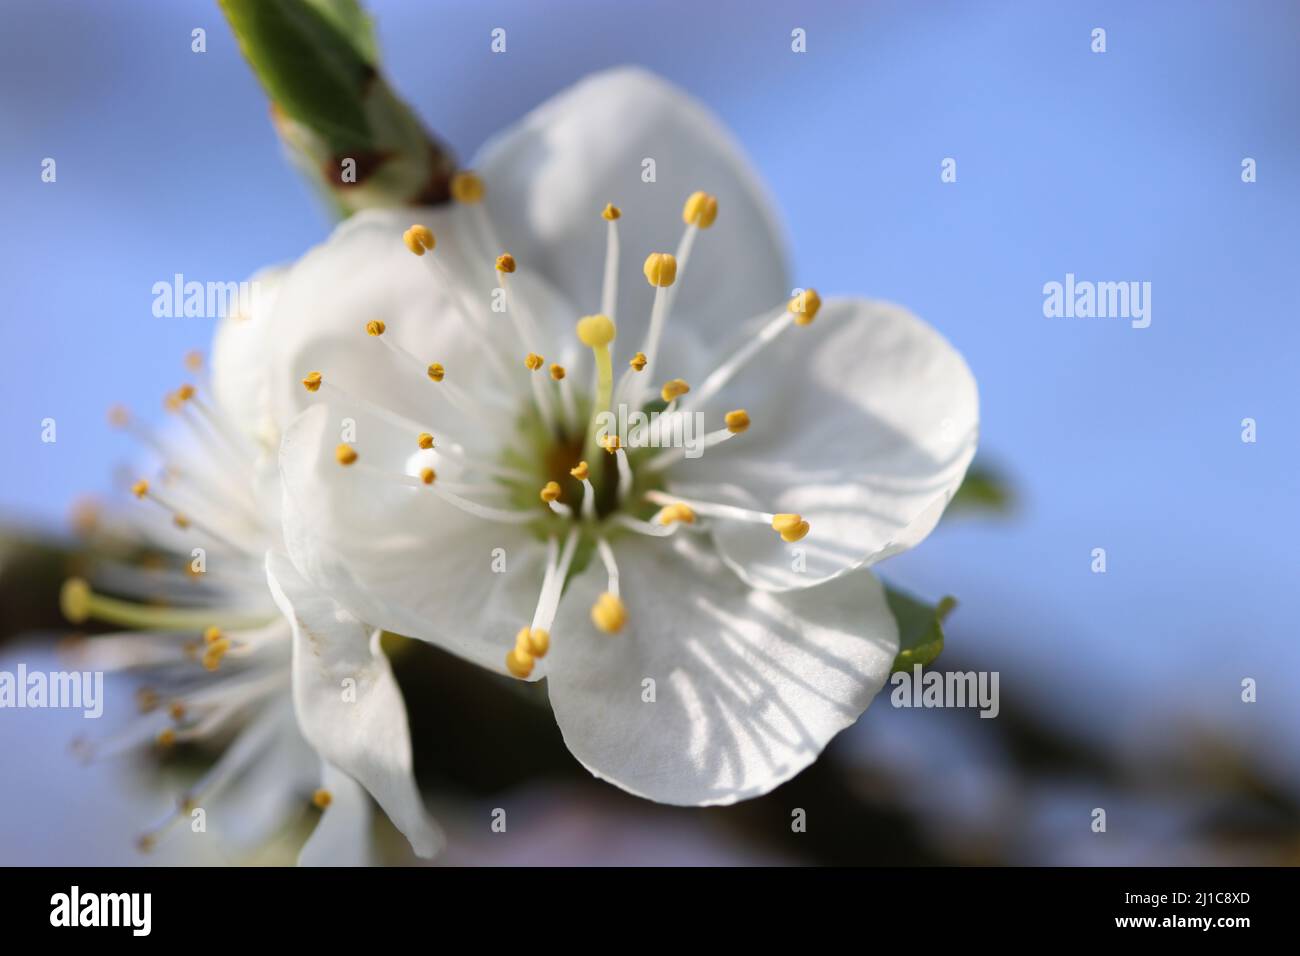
pixel 240 361
pixel 363 732
pixel 749 685
pixel 398 556
pixel 342 836
pixel 549 177
pixel 363 272
pixel 864 422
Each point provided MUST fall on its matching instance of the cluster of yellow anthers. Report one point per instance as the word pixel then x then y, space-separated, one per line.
pixel 215 646
pixel 530 644
pixel 597 332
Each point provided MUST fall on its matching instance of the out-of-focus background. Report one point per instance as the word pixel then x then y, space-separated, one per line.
pixel 1120 690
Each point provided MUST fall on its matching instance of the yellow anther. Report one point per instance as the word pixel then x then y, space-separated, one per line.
pixel 675 388
pixel 737 421
pixel 436 372
pixel 428 475
pixel 166 737
pixel 140 488
pixel 172 402
pixel 609 614
pixel 145 843
pixel 550 491
pixel 214 653
pixel 425 440
pixel 467 187
pixel 791 527
pixel 419 239
pixel 147 700
pixel 345 454
pixel 700 210
pixel 660 269
pixel 557 372
pixel 533 642
pixel 212 635
pixel 519 663
pixel 194 361
pixel 580 471
pixel 533 361
pixel 610 212
pixel 75 598
pixel 375 327
pixel 322 798
pixel 679 512
pixel 505 263
pixel 185 393
pixel 119 416
pixel 804 306
pixel 180 521
pixel 176 710
pixel 610 443
pixel 312 382
pixel 595 331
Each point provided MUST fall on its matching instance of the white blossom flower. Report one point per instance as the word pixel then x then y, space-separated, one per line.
pixel 206 635
pixel 452 478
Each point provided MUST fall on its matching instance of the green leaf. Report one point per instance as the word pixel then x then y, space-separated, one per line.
pixel 985 489
pixel 345 128
pixel 920 627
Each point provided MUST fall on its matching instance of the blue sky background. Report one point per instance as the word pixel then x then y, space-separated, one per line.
pixel 1118 166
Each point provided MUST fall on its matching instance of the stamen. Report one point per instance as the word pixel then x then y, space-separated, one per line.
pixel 519 314
pixel 534 641
pixel 609 614
pixel 624 474
pixel 467 187
pixel 79 603
pixel 246 748
pixel 597 332
pixel 321 799
pixel 448 448
pixel 141 489
pixel 701 210
pixel 448 491
pixel 791 527
pixel 737 423
pixel 415 239
pixel 676 512
pixel 419 239
pixel 609 286
pixel 568 404
pixel 648 528
pixel 436 373
pixel 661 272
pixel 544 617
pixel 673 389
pixel 582 472
pixel 533 362
pixel 803 306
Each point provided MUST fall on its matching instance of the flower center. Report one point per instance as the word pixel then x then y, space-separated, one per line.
pixel 597 461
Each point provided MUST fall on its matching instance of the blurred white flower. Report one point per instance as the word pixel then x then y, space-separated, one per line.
pixel 219 662
pixel 701 633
